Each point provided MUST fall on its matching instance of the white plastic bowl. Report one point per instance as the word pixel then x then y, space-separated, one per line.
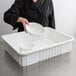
pixel 35 28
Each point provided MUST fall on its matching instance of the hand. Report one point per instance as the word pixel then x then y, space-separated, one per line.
pixel 24 21
pixel 34 1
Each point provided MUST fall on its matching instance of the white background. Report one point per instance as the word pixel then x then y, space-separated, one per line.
pixel 65 16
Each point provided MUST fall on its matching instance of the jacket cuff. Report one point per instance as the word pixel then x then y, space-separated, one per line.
pixel 14 19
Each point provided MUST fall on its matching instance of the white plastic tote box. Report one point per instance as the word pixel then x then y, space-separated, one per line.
pixel 50 44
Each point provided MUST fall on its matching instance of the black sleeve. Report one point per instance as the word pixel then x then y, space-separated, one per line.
pixel 51 16
pixel 12 14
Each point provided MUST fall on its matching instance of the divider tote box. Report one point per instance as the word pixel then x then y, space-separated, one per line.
pixel 51 44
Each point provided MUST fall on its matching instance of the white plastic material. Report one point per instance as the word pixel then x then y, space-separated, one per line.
pixel 50 44
pixel 35 28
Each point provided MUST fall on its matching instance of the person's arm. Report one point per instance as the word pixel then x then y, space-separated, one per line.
pixel 12 15
pixel 51 16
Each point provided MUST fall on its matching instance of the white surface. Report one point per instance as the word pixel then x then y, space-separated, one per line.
pixel 35 28
pixel 65 15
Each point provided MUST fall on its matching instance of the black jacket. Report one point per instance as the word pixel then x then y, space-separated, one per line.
pixel 41 12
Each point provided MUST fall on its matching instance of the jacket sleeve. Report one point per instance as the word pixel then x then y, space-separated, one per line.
pixel 12 14
pixel 51 16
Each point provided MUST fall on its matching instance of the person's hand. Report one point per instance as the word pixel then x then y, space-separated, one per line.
pixel 24 21
pixel 34 1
